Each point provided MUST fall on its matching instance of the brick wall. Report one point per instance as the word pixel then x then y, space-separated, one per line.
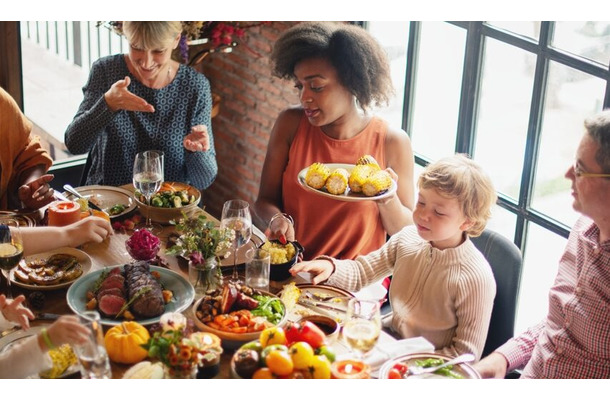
pixel 251 100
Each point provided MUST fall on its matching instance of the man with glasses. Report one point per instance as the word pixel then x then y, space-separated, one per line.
pixel 573 341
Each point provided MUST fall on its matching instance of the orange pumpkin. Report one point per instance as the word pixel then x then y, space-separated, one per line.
pixel 123 342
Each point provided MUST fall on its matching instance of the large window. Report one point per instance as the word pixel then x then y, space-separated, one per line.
pixel 513 95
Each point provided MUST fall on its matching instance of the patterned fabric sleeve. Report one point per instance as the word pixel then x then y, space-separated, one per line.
pixel 518 350
pixel 93 114
pixel 201 166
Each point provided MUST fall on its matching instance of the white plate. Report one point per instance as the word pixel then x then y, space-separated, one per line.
pixel 82 257
pixel 301 310
pixel 106 196
pixel 465 370
pixel 348 196
pixel 16 337
pixel 182 290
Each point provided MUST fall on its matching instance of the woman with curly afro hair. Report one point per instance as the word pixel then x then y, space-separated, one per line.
pixel 340 71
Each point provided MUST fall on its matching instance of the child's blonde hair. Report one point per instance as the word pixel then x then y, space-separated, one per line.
pixel 461 178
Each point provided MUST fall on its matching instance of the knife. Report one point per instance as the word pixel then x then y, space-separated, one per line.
pixel 47 316
pixel 321 310
pixel 325 306
pixel 9 331
pixel 73 191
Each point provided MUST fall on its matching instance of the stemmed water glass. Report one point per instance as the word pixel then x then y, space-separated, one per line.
pixel 147 179
pixel 11 248
pixel 236 216
pixel 362 326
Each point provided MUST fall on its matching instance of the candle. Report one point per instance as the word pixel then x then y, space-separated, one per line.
pixel 350 369
pixel 211 345
pixel 63 213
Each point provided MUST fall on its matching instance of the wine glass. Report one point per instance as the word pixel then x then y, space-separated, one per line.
pixel 147 179
pixel 11 248
pixel 362 325
pixel 236 216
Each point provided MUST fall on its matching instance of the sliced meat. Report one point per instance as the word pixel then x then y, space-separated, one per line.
pixel 113 281
pixel 110 305
pixel 138 277
pixel 113 291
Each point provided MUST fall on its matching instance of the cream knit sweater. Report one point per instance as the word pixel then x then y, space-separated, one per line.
pixel 446 296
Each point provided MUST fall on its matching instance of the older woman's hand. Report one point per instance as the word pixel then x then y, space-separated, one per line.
pixel 197 139
pixel 14 311
pixel 119 98
pixel 36 193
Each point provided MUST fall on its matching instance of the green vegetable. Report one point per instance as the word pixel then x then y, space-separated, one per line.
pixel 445 371
pixel 116 209
pixel 269 307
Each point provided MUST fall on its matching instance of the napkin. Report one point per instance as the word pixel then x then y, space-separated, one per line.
pixel 387 350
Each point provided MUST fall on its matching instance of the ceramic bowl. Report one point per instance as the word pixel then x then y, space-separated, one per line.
pixel 165 215
pixel 329 326
pixel 279 272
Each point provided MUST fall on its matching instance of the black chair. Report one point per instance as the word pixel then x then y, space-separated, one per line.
pixel 83 177
pixel 506 263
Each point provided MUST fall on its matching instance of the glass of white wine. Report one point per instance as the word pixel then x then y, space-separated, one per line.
pixel 11 248
pixel 362 326
pixel 236 216
pixel 147 179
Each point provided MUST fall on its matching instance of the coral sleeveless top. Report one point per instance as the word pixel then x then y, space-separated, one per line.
pixel 327 226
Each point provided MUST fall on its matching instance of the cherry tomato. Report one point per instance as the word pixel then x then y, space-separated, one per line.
pixel 273 335
pixel 402 368
pixel 394 374
pixel 279 362
pixel 320 367
pixel 262 373
pixel 326 351
pixel 301 354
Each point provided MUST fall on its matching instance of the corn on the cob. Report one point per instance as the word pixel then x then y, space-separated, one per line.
pixel 337 181
pixel 359 175
pixel 62 357
pixel 367 159
pixel 316 175
pixel 377 183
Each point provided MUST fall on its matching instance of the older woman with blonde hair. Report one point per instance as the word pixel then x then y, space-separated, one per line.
pixel 145 100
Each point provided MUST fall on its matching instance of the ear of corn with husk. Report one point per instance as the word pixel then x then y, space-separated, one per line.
pixel 337 181
pixel 377 183
pixel 316 175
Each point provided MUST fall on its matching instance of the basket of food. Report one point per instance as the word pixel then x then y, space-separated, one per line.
pixel 170 202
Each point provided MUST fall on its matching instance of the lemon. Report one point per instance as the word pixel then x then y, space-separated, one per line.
pixel 7 249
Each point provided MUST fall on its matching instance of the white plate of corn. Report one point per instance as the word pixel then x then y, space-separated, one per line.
pixel 347 182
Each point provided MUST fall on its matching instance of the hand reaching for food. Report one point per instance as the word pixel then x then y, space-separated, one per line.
pixel 197 139
pixel 14 311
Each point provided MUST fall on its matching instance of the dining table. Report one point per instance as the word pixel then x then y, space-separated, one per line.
pixel 112 252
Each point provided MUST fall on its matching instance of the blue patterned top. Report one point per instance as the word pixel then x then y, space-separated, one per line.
pixel 114 138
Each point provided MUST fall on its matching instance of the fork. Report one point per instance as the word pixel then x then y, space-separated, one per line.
pixel 417 370
pixel 317 297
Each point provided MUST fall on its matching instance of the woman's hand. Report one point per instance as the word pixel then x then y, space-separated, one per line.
pixel 281 227
pixel 67 329
pixel 36 193
pixel 197 139
pixel 321 269
pixel 119 98
pixel 90 229
pixel 394 177
pixel 14 311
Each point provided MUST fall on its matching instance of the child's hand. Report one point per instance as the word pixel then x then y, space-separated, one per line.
pixel 13 311
pixel 90 229
pixel 67 329
pixel 321 269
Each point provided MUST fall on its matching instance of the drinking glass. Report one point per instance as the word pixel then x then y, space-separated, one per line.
pixel 258 263
pixel 92 356
pixel 147 179
pixel 236 216
pixel 362 326
pixel 11 249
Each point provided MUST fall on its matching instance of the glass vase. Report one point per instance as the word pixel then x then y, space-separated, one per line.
pixel 180 373
pixel 205 277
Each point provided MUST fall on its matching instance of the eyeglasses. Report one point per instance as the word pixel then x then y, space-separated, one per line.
pixel 581 173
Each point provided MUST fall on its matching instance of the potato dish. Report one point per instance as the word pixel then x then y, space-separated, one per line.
pixel 279 253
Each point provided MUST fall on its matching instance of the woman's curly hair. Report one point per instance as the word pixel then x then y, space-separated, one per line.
pixel 361 63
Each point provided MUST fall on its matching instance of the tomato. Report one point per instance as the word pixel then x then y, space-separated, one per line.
pixel 305 332
pixel 269 349
pixel 326 351
pixel 320 367
pixel 394 374
pixel 301 354
pixel 262 373
pixel 279 362
pixel 273 335
pixel 256 346
pixel 402 368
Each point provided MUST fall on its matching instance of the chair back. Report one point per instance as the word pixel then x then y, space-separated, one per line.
pixel 505 260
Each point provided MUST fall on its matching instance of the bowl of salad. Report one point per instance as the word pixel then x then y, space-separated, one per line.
pixel 237 314
pixel 169 202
